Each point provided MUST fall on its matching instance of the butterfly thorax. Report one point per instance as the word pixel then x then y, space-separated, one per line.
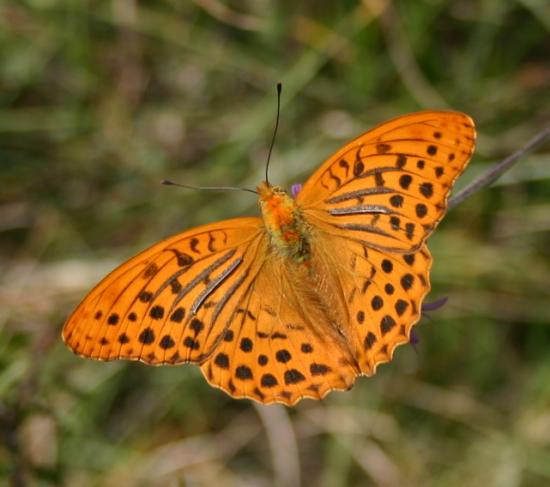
pixel 284 222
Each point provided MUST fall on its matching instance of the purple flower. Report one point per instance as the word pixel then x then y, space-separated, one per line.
pixel 296 188
pixel 438 303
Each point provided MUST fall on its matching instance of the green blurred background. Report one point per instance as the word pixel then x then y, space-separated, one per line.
pixel 100 100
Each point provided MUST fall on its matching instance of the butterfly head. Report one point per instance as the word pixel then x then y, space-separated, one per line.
pixel 275 203
pixel 283 221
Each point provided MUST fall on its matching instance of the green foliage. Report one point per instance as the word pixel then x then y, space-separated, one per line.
pixel 101 100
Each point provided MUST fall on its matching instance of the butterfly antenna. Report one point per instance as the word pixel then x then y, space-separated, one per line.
pixel 279 89
pixel 167 182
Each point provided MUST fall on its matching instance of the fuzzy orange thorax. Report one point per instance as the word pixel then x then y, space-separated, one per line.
pixel 282 220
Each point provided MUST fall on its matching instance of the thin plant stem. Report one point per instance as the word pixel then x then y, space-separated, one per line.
pixel 498 169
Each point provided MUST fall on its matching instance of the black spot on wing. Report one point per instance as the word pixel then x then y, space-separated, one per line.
pixel 166 342
pixel 222 361
pixel 293 376
pixel 147 336
pixel 243 372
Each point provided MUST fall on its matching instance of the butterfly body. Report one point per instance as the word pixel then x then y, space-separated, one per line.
pixel 319 290
pixel 284 222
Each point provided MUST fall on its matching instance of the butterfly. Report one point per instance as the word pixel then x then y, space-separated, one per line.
pixel 319 290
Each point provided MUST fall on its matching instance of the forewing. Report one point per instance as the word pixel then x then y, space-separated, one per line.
pixel 388 188
pixel 172 302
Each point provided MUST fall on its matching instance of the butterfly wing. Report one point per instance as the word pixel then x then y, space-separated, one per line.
pixel 172 302
pixel 216 295
pixel 266 327
pixel 283 345
pixel 380 292
pixel 371 207
pixel 388 188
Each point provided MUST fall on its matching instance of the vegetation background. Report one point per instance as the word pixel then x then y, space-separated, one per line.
pixel 100 100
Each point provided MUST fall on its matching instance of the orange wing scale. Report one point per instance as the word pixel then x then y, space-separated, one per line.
pixel 281 347
pixel 373 204
pixel 389 186
pixel 172 302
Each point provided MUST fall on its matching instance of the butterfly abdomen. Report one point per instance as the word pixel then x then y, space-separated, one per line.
pixel 284 223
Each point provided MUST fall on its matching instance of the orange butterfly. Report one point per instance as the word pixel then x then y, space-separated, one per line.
pixel 297 303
